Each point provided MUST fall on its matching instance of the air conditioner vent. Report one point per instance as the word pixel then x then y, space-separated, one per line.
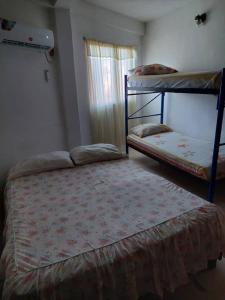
pixel 24 44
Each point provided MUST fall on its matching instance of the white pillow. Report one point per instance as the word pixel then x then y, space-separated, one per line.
pixel 93 153
pixel 143 130
pixel 41 163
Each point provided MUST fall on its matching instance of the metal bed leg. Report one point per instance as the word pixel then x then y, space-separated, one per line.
pixel 162 108
pixel 211 190
pixel 219 124
pixel 126 112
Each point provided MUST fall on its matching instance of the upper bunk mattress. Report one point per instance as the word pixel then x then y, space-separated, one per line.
pixel 178 81
pixel 189 154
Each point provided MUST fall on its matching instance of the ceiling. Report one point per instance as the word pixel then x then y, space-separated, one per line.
pixel 142 10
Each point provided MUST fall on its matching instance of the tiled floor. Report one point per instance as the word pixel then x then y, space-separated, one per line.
pixel 210 284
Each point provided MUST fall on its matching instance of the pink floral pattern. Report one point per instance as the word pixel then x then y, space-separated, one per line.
pixel 98 230
pixel 190 154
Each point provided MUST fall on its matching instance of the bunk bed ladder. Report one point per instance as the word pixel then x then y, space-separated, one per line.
pixel 217 143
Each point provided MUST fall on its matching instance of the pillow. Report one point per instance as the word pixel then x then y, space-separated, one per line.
pixel 93 153
pixel 41 163
pixel 149 129
pixel 154 69
pixel 136 71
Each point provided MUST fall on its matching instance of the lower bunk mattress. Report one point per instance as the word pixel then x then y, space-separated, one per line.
pixel 107 230
pixel 186 153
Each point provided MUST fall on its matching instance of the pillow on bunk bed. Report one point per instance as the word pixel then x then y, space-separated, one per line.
pixel 41 163
pixel 143 130
pixel 94 153
pixel 154 69
pixel 157 69
pixel 136 71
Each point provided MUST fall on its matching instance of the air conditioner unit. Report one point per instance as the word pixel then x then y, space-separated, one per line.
pixel 14 33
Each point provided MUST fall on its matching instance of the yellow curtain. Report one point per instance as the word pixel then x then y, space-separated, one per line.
pixel 107 64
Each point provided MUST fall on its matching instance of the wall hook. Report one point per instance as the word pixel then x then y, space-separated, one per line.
pixel 201 19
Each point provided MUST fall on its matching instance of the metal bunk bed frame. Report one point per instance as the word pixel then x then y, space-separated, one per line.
pixel 161 93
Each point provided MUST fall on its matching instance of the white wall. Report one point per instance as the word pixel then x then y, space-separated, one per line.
pixel 31 114
pixel 38 116
pixel 67 76
pixel 175 40
pixel 93 22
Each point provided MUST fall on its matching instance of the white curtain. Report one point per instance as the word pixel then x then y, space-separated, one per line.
pixel 107 64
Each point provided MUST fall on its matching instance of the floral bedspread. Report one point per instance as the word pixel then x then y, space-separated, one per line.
pixel 190 154
pixel 107 230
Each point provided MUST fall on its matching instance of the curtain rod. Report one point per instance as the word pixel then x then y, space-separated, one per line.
pixel 85 39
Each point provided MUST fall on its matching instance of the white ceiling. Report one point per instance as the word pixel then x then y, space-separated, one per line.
pixel 142 10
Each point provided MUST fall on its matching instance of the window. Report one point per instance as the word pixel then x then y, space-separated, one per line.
pixel 107 64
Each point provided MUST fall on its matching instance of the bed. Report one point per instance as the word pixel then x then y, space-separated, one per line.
pixel 108 230
pixel 184 152
pixel 208 83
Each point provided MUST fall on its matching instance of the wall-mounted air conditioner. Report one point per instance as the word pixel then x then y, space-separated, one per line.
pixel 14 33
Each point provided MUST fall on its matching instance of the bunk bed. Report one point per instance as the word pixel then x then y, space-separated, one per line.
pixel 206 83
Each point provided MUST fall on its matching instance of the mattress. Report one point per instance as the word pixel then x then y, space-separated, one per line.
pixel 107 230
pixel 203 80
pixel 190 154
